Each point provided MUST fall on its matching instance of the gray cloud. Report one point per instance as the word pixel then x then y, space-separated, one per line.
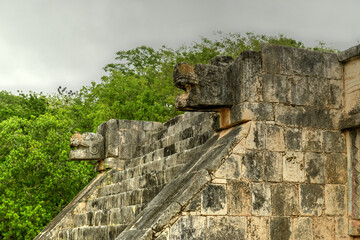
pixel 47 43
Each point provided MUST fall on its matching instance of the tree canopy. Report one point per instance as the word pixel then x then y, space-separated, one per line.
pixel 37 180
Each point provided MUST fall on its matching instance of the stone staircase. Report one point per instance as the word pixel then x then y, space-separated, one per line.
pixel 123 193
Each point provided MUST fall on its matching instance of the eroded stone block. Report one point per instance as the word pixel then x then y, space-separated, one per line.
pixel 335 199
pixel 224 228
pixel 188 227
pixel 280 228
pixel 294 167
pixel 213 200
pixel 253 165
pixel 312 140
pixel 275 138
pixel 261 199
pixel 311 199
pixel 336 168
pixel 302 228
pixel 231 168
pixel 259 228
pixel 239 197
pixel 273 166
pixel 324 228
pixel 274 88
pixel 315 167
pixel 284 200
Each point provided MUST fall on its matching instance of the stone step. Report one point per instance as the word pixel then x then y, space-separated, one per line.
pixel 92 233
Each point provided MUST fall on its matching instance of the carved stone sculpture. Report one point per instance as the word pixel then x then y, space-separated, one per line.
pixel 87 146
pixel 207 87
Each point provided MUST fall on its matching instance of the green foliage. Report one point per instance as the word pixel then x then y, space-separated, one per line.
pixel 36 179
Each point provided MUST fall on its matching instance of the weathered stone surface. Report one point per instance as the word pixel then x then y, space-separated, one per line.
pixel 231 168
pixel 188 227
pixel 335 199
pixel 273 166
pixel 251 111
pixel 280 228
pixel 349 53
pixel 245 72
pixel 261 199
pixel 274 88
pixel 89 146
pixel 311 199
pixel 277 59
pixel 294 167
pixel 224 228
pixel 239 197
pixel 213 200
pixel 284 200
pixel 275 138
pixel 315 167
pixel 259 228
pixel 293 138
pixel 324 228
pixel 334 141
pixel 336 168
pixel 256 138
pixel 206 86
pixel 298 93
pixel 253 165
pixel 302 228
pixel 312 140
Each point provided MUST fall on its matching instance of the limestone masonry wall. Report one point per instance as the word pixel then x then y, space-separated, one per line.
pixel 277 158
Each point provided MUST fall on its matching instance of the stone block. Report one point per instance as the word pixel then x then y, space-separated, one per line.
pixel 273 166
pixel 308 63
pixel 311 199
pixel 253 165
pixel 284 200
pixel 319 92
pixel 293 138
pixel 335 199
pixel 342 228
pixel 293 167
pixel 194 205
pixel 188 227
pixel 333 69
pixel 256 137
pixel 324 228
pixel 334 141
pixel 114 215
pixel 274 88
pixel 312 140
pixel 261 199
pixel 213 200
pixel 277 59
pixel 298 93
pixel 336 91
pixel 100 218
pixel 275 140
pixel 228 227
pixel 293 116
pixel 315 167
pixel 336 168
pixel 239 198
pixel 245 70
pixel 247 111
pixel 80 220
pixel 302 228
pixel 280 228
pixel 259 228
pixel 231 168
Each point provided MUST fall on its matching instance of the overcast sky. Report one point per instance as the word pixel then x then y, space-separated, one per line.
pixel 49 43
